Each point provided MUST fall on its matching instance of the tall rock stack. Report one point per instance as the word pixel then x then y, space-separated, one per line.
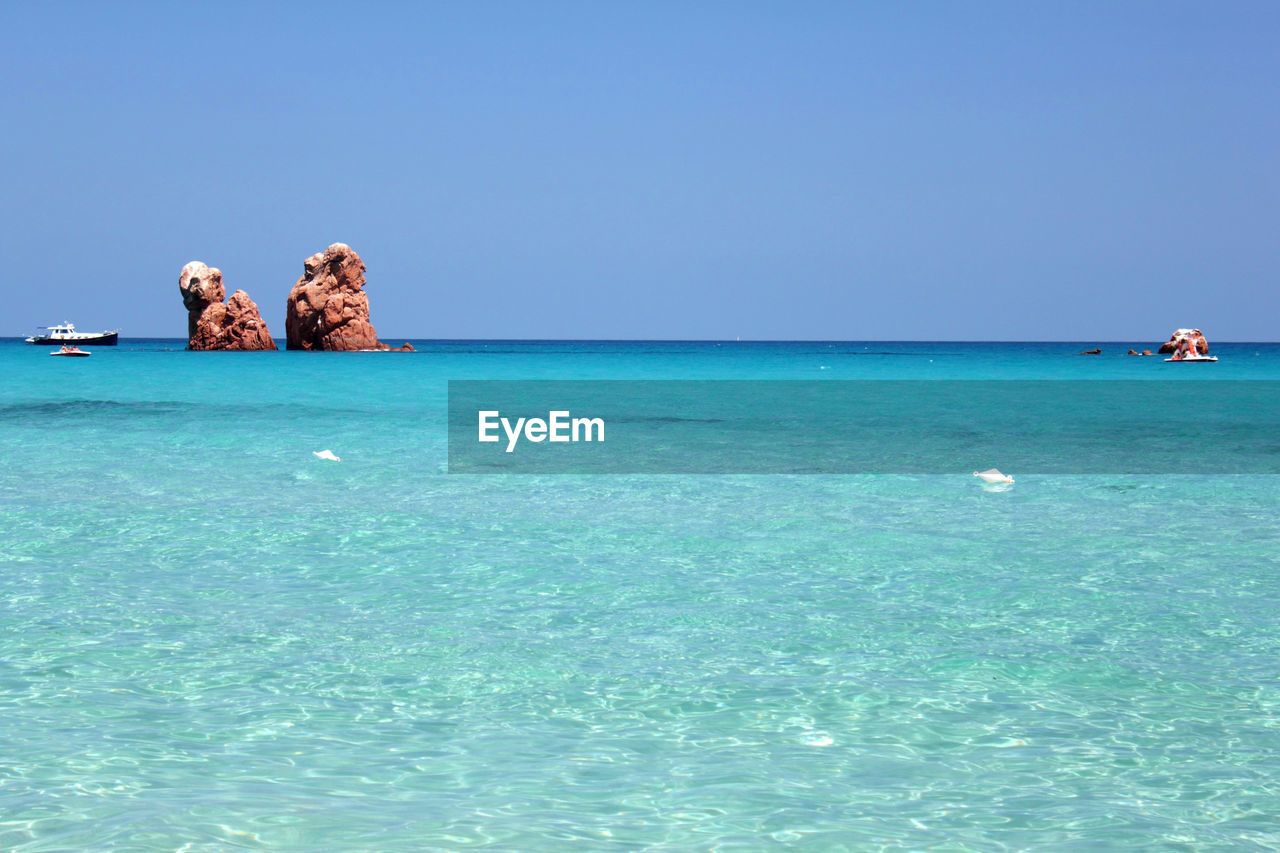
pixel 328 308
pixel 216 325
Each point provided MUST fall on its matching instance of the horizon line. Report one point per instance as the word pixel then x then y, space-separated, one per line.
pixel 727 340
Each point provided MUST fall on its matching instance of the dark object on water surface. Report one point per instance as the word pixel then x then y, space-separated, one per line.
pixel 1092 352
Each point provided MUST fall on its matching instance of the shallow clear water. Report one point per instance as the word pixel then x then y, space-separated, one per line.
pixel 213 639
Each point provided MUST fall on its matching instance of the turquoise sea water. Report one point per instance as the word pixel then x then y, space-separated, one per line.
pixel 212 640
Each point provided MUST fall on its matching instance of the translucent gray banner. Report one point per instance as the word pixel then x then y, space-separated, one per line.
pixel 863 427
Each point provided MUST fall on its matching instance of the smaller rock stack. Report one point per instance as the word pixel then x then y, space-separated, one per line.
pixel 1194 335
pixel 216 325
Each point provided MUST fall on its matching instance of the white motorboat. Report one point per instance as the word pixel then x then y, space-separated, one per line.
pixel 66 333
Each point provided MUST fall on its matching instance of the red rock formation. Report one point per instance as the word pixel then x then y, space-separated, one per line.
pixel 216 325
pixel 1175 340
pixel 406 347
pixel 328 308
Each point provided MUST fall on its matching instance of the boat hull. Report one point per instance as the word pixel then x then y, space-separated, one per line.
pixel 106 339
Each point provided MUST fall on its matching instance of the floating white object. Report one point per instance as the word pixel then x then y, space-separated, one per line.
pixel 326 454
pixel 992 475
pixel 1192 359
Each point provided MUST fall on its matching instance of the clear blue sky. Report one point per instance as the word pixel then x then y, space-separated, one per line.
pixel 784 170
